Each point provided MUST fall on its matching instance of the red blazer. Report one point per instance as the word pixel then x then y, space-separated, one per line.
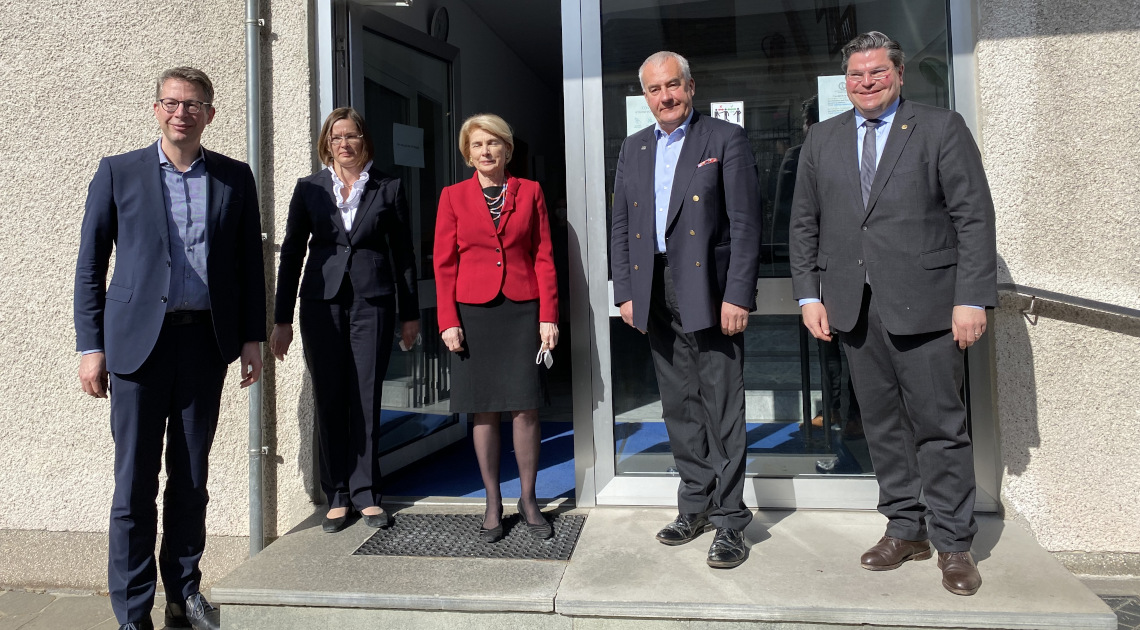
pixel 474 262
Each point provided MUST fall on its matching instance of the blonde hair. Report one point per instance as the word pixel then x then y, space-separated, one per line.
pixel 324 151
pixel 490 123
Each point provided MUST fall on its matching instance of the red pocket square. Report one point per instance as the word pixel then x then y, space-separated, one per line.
pixel 708 161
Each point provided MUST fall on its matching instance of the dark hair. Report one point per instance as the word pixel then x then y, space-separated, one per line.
pixel 324 153
pixel 810 110
pixel 190 75
pixel 872 40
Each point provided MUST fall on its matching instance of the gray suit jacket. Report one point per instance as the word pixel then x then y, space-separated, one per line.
pixel 713 229
pixel 926 239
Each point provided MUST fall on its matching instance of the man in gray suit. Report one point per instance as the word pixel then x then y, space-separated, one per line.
pixel 685 256
pixel 893 246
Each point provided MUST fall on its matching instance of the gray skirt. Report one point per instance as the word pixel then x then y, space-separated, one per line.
pixel 496 370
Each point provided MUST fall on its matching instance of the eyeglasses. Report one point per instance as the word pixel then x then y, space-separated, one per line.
pixel 170 105
pixel 337 140
pixel 875 75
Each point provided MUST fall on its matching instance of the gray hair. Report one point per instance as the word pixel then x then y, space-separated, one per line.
pixel 873 40
pixel 190 75
pixel 659 58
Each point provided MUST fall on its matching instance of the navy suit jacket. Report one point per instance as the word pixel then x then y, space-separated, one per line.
pixel 377 251
pixel 713 229
pixel 926 239
pixel 126 213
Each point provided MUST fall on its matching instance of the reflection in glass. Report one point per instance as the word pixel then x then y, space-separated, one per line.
pixel 770 55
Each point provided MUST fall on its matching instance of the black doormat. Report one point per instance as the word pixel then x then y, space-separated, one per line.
pixel 1127 609
pixel 457 536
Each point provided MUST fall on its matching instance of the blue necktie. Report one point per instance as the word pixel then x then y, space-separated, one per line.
pixel 867 161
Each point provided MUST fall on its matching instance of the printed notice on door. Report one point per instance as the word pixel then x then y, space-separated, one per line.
pixel 407 145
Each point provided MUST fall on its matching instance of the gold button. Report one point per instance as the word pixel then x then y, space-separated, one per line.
pixel 635 204
pixel 692 233
pixel 638 236
pixel 696 198
pixel 698 263
pixel 635 267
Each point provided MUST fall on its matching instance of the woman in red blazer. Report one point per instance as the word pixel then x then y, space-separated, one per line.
pixel 498 305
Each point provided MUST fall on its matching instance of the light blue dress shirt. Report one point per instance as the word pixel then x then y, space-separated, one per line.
pixel 664 167
pixel 187 200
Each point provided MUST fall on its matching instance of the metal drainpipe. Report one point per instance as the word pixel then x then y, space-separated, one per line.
pixel 257 451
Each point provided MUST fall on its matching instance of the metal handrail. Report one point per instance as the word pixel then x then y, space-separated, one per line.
pixel 1034 293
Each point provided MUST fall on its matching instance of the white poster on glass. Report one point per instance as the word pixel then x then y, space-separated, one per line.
pixel 638 116
pixel 732 111
pixel 407 145
pixel 832 96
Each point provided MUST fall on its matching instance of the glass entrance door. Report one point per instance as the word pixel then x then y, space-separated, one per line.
pixel 774 69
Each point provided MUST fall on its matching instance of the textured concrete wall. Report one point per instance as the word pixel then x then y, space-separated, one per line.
pixel 79 83
pixel 1060 127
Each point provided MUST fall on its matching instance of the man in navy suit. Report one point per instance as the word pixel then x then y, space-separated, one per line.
pixel 685 257
pixel 893 247
pixel 186 299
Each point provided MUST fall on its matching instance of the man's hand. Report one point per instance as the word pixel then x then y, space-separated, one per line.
pixel 626 309
pixel 251 362
pixel 815 318
pixel 969 324
pixel 279 339
pixel 453 338
pixel 93 374
pixel 733 318
pixel 408 332
pixel 548 333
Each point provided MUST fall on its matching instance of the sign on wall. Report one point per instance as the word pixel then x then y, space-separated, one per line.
pixel 832 96
pixel 732 111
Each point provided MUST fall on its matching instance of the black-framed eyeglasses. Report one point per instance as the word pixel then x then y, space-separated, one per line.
pixel 337 140
pixel 170 105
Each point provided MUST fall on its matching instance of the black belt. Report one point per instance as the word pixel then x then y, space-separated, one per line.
pixel 661 259
pixel 185 318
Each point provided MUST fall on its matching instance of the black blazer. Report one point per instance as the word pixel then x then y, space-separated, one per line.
pixel 926 239
pixel 713 229
pixel 126 212
pixel 377 252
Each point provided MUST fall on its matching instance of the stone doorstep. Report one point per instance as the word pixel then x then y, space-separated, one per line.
pixel 803 569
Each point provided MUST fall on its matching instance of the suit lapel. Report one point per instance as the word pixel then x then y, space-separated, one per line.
pixel 696 138
pixel 901 128
pixel 152 189
pixel 508 202
pixel 646 156
pixel 326 182
pixel 849 143
pixel 368 199
pixel 217 193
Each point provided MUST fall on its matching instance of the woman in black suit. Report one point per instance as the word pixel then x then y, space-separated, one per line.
pixel 360 276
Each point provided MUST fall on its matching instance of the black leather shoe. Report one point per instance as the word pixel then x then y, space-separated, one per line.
pixel 333 525
pixel 541 531
pixel 684 528
pixel 197 613
pixel 492 534
pixel 377 521
pixel 143 624
pixel 728 549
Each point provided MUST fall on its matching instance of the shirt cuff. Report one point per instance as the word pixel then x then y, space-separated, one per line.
pixel 92 351
pixel 804 301
pixel 980 308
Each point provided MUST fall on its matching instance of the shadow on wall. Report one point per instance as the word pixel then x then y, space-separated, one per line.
pixel 1011 20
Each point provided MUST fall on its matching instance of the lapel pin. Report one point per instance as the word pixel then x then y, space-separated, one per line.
pixel 904 126
pixel 643 147
pixel 696 198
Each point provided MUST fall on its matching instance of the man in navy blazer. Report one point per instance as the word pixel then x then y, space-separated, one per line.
pixel 685 256
pixel 186 299
pixel 893 246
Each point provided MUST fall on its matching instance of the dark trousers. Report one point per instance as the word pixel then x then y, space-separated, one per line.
pixel 909 389
pixel 176 393
pixel 348 341
pixel 701 376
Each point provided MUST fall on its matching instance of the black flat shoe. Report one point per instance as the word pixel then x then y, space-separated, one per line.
pixel 377 521
pixel 494 534
pixel 541 531
pixel 333 525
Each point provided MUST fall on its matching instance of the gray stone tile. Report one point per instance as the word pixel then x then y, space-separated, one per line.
pixel 235 617
pixel 76 612
pixel 16 603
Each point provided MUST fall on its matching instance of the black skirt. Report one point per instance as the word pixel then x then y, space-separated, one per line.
pixel 496 370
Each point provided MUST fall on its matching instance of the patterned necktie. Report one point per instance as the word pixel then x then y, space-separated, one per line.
pixel 867 161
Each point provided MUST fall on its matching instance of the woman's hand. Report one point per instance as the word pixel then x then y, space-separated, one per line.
pixel 279 340
pixel 408 333
pixel 453 338
pixel 548 332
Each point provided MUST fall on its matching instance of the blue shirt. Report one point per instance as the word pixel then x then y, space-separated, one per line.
pixel 665 165
pixel 187 200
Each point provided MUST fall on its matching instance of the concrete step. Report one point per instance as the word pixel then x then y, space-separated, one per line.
pixel 803 572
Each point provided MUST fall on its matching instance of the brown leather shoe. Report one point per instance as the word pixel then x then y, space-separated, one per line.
pixel 959 573
pixel 890 552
